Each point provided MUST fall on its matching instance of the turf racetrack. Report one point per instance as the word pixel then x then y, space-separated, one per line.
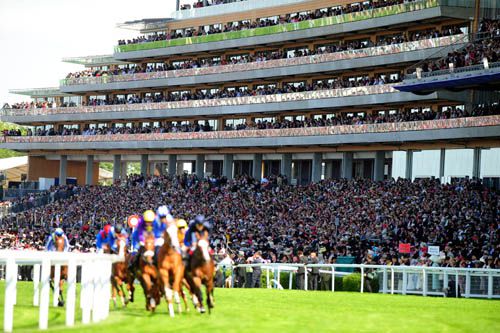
pixel 265 310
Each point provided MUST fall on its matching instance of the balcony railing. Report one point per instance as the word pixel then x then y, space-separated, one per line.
pixel 453 71
pixel 204 103
pixel 287 132
pixel 269 64
pixel 288 27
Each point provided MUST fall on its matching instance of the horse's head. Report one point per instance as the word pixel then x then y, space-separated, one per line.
pixel 167 239
pixel 203 246
pixel 149 248
pixel 59 241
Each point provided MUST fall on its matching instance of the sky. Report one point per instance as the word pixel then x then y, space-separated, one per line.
pixel 36 34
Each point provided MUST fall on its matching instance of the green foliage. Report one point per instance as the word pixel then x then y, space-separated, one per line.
pixel 5 153
pixel 108 166
pixel 351 282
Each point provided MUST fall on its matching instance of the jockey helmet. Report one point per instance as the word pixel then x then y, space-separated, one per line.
pixel 200 219
pixel 163 211
pixel 59 232
pixel 118 228
pixel 107 229
pixel 181 223
pixel 149 216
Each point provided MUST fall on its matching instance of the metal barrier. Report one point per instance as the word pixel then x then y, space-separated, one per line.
pixel 417 280
pixel 95 291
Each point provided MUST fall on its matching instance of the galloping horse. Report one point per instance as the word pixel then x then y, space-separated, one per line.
pixel 171 269
pixel 200 270
pixel 59 245
pixel 148 275
pixel 121 276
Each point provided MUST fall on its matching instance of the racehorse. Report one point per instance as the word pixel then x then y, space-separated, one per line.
pixel 148 274
pixel 121 276
pixel 59 245
pixel 171 269
pixel 200 270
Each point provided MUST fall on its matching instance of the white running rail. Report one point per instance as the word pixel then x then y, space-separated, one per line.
pixel 95 285
pixel 416 280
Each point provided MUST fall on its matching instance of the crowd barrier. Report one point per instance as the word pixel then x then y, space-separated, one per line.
pixel 284 132
pixel 205 103
pixel 405 280
pixel 269 64
pixel 95 290
pixel 287 27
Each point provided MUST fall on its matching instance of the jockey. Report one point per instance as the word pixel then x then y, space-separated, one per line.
pixel 197 228
pixel 165 221
pixel 102 238
pixel 181 230
pixel 51 241
pixel 115 234
pixel 145 225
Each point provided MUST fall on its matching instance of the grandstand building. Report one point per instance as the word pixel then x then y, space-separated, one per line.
pixel 309 89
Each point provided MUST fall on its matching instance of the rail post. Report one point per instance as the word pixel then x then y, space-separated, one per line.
pixel 71 295
pixel 57 279
pixel 44 295
pixel 362 278
pixel 10 287
pixel 333 279
pixel 36 285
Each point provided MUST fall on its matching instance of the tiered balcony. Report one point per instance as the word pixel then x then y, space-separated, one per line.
pixel 328 62
pixel 387 133
pixel 308 100
pixel 346 23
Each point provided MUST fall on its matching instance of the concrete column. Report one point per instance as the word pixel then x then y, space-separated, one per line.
pixel 286 166
pixel 89 172
pixel 117 166
pixel 177 4
pixel 409 165
pixel 378 168
pixel 316 167
pixel 257 166
pixel 172 165
pixel 200 166
pixel 227 167
pixel 476 163
pixel 144 164
pixel 63 169
pixel 124 167
pixel 347 158
pixel 442 158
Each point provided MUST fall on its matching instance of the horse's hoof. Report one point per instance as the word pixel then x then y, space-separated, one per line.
pixel 202 310
pixel 60 304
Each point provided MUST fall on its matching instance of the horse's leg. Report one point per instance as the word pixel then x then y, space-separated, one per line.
pixel 198 293
pixel 183 293
pixel 165 278
pixel 177 286
pixel 113 291
pixel 209 284
pixel 61 296
pixel 146 285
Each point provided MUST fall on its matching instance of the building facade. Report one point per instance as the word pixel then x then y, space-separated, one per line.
pixel 307 89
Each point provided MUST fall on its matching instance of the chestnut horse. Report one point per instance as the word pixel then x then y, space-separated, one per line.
pixel 59 244
pixel 171 269
pixel 201 270
pixel 121 276
pixel 148 273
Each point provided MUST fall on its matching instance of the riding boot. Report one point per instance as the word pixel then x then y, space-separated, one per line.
pixel 155 257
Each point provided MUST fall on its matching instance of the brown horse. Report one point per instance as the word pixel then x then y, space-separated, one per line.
pixel 148 273
pixel 121 276
pixel 59 243
pixel 171 269
pixel 201 270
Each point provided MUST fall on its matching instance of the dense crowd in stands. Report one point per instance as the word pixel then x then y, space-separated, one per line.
pixel 359 218
pixel 207 3
pixel 267 22
pixel 336 120
pixel 486 46
pixel 271 55
pixel 286 88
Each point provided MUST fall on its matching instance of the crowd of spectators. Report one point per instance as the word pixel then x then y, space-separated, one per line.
pixel 485 46
pixel 335 120
pixel 341 46
pixel 207 3
pixel 360 218
pixel 266 22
